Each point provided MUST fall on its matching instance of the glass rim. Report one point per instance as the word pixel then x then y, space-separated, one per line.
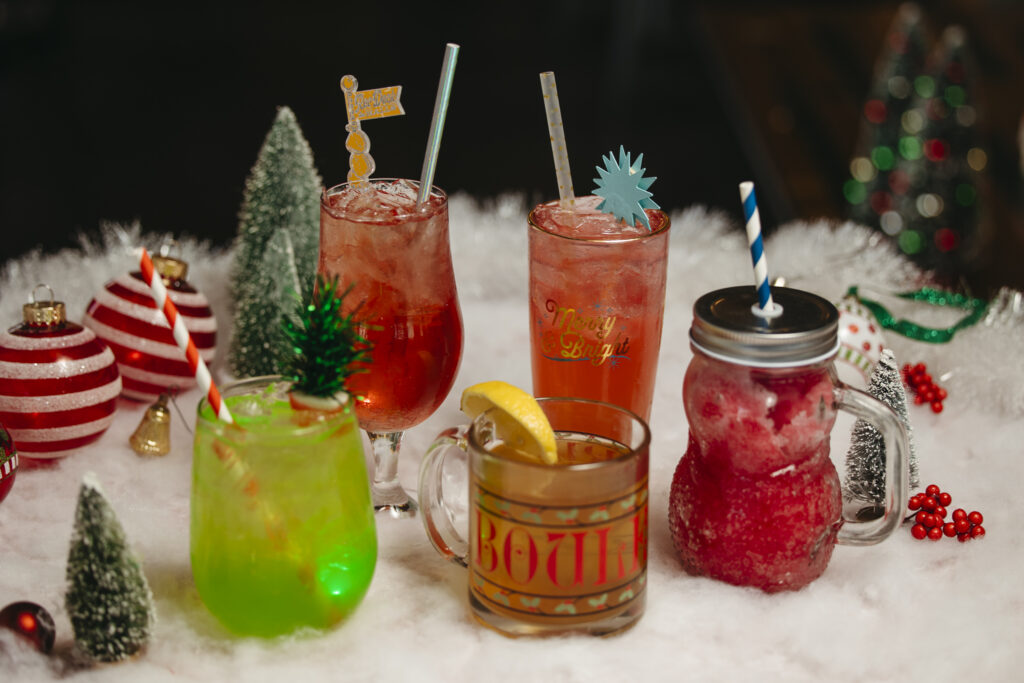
pixel 435 191
pixel 535 225
pixel 347 410
pixel 642 447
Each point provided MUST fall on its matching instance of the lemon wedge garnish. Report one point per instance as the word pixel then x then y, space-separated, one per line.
pixel 518 419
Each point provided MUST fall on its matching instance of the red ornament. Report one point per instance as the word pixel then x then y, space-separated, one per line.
pixel 8 463
pixel 125 316
pixel 58 383
pixel 30 621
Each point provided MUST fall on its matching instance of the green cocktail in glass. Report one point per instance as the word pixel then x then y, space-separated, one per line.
pixel 283 533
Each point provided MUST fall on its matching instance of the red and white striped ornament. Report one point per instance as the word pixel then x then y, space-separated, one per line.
pixel 58 383
pixel 126 317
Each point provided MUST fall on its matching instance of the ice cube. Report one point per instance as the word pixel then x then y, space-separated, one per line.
pixel 250 406
pixel 399 195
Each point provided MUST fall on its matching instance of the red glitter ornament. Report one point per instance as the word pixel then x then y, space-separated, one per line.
pixel 58 383
pixel 125 316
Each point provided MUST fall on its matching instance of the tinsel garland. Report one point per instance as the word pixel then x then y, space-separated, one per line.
pixel 976 310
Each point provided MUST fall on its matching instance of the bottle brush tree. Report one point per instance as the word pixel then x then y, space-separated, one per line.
pixel 108 600
pixel 278 242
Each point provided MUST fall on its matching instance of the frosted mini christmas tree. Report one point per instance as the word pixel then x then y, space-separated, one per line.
pixel 281 215
pixel 865 461
pixel 108 599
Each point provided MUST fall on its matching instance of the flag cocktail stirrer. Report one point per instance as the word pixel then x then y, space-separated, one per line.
pixel 557 134
pixel 444 89
pixel 182 337
pixel 765 306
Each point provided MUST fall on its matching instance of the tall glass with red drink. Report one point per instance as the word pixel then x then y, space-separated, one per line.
pixel 398 260
pixel 597 296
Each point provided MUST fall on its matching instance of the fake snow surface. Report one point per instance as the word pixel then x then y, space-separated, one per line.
pixel 877 613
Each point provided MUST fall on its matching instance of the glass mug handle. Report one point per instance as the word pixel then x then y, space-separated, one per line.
pixel 897 461
pixel 437 521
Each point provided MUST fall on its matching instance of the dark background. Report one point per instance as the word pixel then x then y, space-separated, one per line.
pixel 119 111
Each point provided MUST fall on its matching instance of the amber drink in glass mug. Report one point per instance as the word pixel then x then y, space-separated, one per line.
pixel 550 549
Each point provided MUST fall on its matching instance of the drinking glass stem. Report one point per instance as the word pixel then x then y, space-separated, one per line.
pixel 388 495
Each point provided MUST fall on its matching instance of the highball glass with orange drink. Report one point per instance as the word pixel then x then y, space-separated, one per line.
pixel 597 297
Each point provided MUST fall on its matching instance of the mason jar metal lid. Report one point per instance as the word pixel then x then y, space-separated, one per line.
pixel 725 326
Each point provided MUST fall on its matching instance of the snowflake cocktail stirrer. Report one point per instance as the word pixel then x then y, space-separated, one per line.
pixel 361 106
pixel 624 188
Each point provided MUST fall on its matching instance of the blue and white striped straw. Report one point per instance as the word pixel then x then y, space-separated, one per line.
pixel 753 220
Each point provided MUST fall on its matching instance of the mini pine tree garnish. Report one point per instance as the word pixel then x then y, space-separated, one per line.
pixel 108 600
pixel 326 343
pixel 624 188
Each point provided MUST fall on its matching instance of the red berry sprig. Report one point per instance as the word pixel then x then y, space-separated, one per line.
pixel 930 520
pixel 925 389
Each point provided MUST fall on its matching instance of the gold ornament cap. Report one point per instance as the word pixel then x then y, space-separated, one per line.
pixel 44 313
pixel 170 269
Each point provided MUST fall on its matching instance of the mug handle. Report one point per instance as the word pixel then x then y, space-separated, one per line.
pixel 897 462
pixel 436 519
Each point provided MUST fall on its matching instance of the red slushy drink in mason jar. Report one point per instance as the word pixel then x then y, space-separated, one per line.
pixel 597 297
pixel 756 500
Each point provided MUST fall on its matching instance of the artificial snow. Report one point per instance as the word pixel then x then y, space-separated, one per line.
pixel 890 612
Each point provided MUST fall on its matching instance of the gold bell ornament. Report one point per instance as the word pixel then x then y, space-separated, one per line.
pixel 153 435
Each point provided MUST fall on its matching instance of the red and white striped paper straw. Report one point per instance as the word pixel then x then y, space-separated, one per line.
pixel 182 337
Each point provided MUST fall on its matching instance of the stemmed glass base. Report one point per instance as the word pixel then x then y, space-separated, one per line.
pixel 389 498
